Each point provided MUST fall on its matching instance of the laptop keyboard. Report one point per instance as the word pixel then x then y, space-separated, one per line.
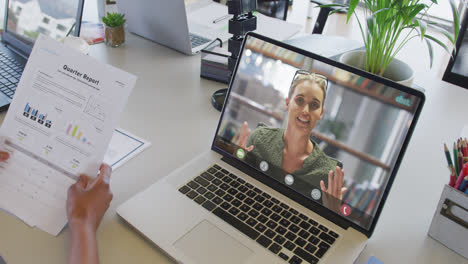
pixel 197 40
pixel 10 74
pixel 276 226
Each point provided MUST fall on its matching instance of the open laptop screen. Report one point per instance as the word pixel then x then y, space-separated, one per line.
pixel 27 18
pixel 324 132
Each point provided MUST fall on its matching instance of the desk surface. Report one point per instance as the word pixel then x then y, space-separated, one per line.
pixel 170 106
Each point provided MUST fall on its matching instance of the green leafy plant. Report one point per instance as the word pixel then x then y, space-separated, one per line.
pixel 390 24
pixel 114 19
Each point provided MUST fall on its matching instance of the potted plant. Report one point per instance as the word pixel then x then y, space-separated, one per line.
pixel 389 25
pixel 114 32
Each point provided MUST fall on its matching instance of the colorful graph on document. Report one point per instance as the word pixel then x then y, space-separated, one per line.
pixel 36 116
pixel 75 132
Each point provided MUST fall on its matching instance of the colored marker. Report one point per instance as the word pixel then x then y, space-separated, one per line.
pixel 460 160
pixel 464 144
pixel 453 177
pixel 460 149
pixel 463 184
pixel 463 173
pixel 447 155
pixel 455 157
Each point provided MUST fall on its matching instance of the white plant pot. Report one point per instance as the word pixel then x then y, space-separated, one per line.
pixel 397 71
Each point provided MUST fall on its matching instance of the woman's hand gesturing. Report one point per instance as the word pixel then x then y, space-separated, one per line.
pixel 244 136
pixel 335 184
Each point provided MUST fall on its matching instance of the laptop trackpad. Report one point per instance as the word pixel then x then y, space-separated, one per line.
pixel 207 244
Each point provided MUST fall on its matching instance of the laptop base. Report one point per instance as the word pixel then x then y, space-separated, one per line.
pixel 171 215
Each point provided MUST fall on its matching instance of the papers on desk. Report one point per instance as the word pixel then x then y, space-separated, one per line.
pixel 201 15
pixel 276 28
pixel 58 126
pixel 123 147
pixel 214 17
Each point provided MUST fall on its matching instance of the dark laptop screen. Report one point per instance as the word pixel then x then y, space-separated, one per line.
pixel 326 133
pixel 27 18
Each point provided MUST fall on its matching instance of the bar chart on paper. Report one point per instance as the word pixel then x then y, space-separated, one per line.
pixel 34 115
pixel 74 131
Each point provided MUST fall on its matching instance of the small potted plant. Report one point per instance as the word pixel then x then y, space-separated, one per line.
pixel 389 25
pixel 115 33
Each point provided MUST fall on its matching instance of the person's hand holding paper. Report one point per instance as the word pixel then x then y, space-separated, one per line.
pixel 59 126
pixel 88 200
pixel 4 155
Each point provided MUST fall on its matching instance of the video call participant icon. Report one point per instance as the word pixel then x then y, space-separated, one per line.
pixel 264 166
pixel 289 179
pixel 316 194
pixel 240 153
pixel 345 210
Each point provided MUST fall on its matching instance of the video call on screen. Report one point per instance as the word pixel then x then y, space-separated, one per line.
pixel 362 128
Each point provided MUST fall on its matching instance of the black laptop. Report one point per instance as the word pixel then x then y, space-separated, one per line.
pixel 24 21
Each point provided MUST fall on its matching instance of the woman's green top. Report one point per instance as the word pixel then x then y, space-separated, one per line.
pixel 268 146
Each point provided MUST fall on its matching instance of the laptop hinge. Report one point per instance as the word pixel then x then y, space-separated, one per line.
pixel 317 208
pixel 17 51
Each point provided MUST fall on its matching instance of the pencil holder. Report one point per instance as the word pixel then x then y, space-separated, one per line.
pixel 450 222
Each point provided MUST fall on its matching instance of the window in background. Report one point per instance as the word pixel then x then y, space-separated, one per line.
pixel 441 10
pixel 2 12
pixel 90 11
pixel 441 13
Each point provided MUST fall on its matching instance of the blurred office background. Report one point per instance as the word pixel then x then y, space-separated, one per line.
pixel 303 12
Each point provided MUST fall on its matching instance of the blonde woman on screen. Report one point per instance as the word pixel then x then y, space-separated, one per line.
pixel 292 149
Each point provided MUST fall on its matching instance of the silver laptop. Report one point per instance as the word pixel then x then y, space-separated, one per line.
pixel 268 196
pixel 24 20
pixel 166 22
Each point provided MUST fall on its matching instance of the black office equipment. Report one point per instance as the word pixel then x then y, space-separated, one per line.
pixel 324 13
pixel 273 8
pixel 242 22
pixel 457 69
pixel 214 64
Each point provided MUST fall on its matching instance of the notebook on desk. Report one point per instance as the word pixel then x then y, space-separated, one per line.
pixel 267 196
pixel 24 20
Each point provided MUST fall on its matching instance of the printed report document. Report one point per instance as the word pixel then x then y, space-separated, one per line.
pixel 58 126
